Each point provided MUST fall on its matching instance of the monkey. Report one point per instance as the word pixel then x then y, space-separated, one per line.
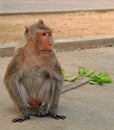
pixel 33 77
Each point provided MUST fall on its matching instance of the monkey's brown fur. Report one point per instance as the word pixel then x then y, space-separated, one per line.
pixel 33 77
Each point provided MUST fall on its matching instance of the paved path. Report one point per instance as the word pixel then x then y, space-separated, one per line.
pixel 87 107
pixel 12 6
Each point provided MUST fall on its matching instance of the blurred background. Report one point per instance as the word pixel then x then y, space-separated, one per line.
pixel 68 19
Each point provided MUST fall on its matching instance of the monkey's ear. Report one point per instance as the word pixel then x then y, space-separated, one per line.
pixel 40 21
pixel 26 31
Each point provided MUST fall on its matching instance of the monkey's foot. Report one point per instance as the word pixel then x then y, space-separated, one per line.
pixel 56 116
pixel 21 119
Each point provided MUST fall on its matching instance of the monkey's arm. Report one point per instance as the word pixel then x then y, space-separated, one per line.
pixel 56 95
pixel 11 81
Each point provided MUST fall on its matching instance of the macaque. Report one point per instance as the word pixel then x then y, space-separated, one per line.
pixel 33 77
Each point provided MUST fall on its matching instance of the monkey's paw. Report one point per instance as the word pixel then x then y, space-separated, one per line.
pixel 39 111
pixel 56 116
pixel 21 119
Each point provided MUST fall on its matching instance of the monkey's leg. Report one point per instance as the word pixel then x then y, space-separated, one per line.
pixel 17 96
pixel 12 82
pixel 57 90
pixel 44 96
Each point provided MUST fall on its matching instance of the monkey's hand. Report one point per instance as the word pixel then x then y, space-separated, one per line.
pixel 56 116
pixel 39 111
pixel 21 118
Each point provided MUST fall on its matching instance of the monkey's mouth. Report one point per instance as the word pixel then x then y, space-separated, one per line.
pixel 46 50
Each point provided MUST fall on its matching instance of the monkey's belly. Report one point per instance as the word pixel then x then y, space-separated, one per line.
pixel 37 85
pixel 34 102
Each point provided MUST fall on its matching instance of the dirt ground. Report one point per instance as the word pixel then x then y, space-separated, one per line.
pixel 67 25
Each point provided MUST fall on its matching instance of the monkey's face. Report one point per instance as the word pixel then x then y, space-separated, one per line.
pixel 39 36
pixel 44 40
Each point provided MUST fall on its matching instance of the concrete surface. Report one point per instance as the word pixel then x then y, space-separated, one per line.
pixel 40 6
pixel 83 43
pixel 67 44
pixel 87 107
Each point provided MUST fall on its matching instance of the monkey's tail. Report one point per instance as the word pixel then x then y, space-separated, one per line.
pixel 74 85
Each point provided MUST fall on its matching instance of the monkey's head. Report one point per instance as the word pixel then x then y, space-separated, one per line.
pixel 39 35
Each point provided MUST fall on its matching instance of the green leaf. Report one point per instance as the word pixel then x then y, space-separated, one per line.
pixel 106 80
pixel 83 71
pixel 101 78
pixel 102 74
pixel 90 73
pixel 63 71
pixel 93 83
pixel 71 79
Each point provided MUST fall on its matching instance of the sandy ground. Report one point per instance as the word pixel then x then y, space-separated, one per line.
pixel 68 25
pixel 87 107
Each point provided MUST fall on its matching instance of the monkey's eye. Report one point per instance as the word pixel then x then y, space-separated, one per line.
pixel 43 34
